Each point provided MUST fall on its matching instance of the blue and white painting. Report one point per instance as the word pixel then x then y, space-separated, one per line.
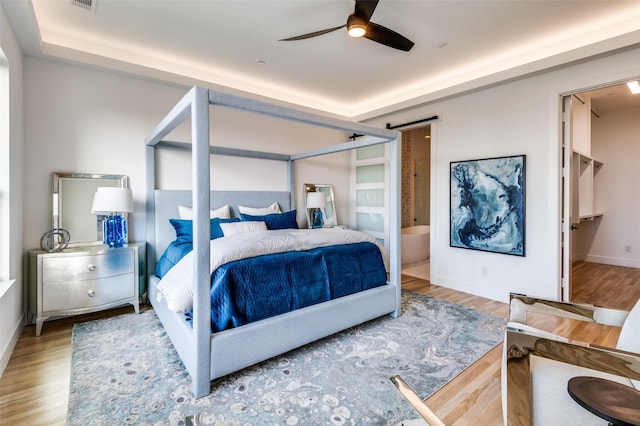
pixel 487 204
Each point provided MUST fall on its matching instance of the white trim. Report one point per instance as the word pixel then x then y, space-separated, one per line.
pixel 5 286
pixel 5 356
pixel 11 344
pixel 580 83
pixel 473 287
pixel 614 261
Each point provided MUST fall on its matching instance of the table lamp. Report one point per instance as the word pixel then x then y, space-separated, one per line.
pixel 316 201
pixel 113 202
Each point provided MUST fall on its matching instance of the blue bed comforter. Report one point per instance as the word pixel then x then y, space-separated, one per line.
pixel 252 289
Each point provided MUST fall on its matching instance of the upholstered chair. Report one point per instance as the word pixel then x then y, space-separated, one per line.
pixel 537 365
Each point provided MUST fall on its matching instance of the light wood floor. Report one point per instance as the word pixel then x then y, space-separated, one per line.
pixel 605 285
pixel 474 396
pixel 35 385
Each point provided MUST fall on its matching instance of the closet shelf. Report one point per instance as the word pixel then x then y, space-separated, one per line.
pixel 583 180
pixel 591 217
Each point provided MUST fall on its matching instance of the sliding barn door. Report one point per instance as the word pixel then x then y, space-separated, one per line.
pixel 370 183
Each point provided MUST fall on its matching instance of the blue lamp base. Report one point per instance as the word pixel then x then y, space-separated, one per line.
pixel 316 219
pixel 114 231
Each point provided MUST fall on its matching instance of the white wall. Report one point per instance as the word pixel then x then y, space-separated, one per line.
pixel 518 117
pixel 80 119
pixel 615 141
pixel 11 194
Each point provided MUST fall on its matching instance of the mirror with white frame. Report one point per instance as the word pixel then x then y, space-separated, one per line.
pixel 72 200
pixel 329 212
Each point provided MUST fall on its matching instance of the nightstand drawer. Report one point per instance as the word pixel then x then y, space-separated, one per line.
pixel 82 280
pixel 86 267
pixel 65 296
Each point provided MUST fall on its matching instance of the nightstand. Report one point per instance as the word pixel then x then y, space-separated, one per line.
pixel 81 280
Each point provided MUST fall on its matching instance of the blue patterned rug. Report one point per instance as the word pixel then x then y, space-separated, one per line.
pixel 125 371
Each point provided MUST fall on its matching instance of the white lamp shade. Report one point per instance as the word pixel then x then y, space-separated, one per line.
pixel 112 200
pixel 316 200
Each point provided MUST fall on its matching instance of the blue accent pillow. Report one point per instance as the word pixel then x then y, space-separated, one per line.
pixel 174 252
pixel 184 228
pixel 286 220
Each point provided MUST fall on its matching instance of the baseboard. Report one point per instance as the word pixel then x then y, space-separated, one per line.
pixel 11 344
pixel 473 288
pixel 614 261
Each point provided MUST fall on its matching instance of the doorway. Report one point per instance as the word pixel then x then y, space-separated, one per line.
pixel 601 247
pixel 415 204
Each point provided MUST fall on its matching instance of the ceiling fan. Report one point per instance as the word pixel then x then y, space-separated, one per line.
pixel 359 25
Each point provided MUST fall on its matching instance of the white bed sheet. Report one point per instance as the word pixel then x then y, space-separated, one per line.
pixel 176 287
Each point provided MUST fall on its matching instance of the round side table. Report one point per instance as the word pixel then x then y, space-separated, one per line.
pixel 612 401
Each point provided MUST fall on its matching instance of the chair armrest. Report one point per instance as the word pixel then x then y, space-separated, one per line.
pixel 521 345
pixel 416 402
pixel 520 305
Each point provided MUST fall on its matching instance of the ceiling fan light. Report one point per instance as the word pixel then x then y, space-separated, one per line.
pixel 357 31
pixel 356 26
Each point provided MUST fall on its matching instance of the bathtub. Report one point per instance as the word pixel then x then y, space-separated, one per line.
pixel 414 244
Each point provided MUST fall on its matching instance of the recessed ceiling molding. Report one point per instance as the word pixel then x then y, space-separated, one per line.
pixel 154 71
pixel 409 96
pixel 582 40
pixel 58 45
pixel 464 82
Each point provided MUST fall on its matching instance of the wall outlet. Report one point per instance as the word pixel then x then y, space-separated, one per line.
pixel 484 270
pixel 627 248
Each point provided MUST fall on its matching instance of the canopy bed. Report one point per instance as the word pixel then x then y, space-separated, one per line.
pixel 206 351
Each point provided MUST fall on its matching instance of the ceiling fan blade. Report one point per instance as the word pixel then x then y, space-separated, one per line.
pixel 365 8
pixel 313 34
pixel 388 37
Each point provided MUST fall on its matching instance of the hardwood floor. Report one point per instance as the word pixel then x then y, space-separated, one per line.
pixel 473 397
pixel 35 385
pixel 34 388
pixel 605 285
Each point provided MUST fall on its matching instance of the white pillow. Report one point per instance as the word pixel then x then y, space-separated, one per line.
pixel 239 228
pixel 259 211
pixel 223 212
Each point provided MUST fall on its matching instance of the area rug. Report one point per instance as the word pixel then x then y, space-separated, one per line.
pixel 125 371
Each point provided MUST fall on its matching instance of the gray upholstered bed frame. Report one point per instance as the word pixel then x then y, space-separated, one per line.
pixel 166 204
pixel 208 356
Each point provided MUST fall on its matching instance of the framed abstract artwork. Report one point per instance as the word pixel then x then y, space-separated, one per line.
pixel 487 207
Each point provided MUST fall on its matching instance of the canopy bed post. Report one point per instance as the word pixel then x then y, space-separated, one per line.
pixel 201 231
pixel 394 219
pixel 179 113
pixel 393 138
pixel 150 156
pixel 292 178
